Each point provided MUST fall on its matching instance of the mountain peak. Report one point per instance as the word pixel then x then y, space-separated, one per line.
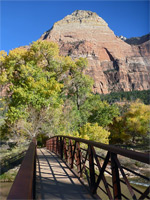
pixel 113 64
pixel 82 17
pixel 84 13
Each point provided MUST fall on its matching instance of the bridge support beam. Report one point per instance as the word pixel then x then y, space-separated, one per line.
pixel 92 170
pixel 115 178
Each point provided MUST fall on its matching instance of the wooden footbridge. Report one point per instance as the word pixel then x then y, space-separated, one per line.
pixel 74 168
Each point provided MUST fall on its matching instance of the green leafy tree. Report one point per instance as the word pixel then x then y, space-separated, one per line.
pixel 100 111
pixel 48 93
pixel 33 87
pixel 79 86
pixel 77 89
pixel 36 97
pixel 113 97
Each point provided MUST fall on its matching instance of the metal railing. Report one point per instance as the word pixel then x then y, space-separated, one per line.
pixel 98 168
pixel 9 163
pixel 24 183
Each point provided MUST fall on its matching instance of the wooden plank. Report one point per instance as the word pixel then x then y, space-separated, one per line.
pixel 56 181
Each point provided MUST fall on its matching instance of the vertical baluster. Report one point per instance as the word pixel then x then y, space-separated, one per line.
pixel 65 150
pixel 92 170
pixel 61 147
pixel 57 145
pixel 55 149
pixel 53 139
pixel 50 144
pixel 115 178
pixel 70 154
pixel 47 144
pixel 78 157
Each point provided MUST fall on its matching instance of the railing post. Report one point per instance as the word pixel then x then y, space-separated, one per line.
pixel 92 170
pixel 48 144
pixel 57 145
pixel 78 156
pixel 115 178
pixel 70 154
pixel 65 148
pixel 61 148
pixel 53 144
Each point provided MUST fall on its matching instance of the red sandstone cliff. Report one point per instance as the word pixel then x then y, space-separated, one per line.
pixel 113 64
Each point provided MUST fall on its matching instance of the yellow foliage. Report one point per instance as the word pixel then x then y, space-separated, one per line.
pixel 17 53
pixel 138 117
pixel 3 54
pixel 94 132
pixel 134 123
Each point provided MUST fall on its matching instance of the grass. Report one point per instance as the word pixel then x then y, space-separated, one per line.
pixel 10 175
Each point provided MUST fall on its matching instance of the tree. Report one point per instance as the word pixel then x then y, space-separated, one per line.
pixel 101 112
pixel 77 89
pixel 84 106
pixel 79 86
pixel 33 88
pixel 133 125
pixel 3 77
pixel 137 120
pixel 94 132
pixel 48 93
pixel 36 97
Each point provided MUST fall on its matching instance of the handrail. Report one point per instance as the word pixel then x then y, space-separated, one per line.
pixel 23 186
pixel 142 157
pixel 95 167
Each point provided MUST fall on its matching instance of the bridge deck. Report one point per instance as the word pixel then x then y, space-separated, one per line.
pixel 56 181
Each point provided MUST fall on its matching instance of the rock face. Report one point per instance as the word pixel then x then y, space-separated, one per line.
pixel 113 64
pixel 138 40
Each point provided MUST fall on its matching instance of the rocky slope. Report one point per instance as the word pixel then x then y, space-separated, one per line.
pixel 113 64
pixel 138 40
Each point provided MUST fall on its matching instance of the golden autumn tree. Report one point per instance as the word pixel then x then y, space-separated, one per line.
pixel 133 125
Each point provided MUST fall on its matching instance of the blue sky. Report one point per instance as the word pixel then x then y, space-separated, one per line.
pixel 22 22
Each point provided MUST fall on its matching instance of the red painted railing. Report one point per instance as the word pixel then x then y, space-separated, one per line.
pixel 24 184
pixel 97 169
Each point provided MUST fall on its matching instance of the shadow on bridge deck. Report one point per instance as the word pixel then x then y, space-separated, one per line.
pixel 56 181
